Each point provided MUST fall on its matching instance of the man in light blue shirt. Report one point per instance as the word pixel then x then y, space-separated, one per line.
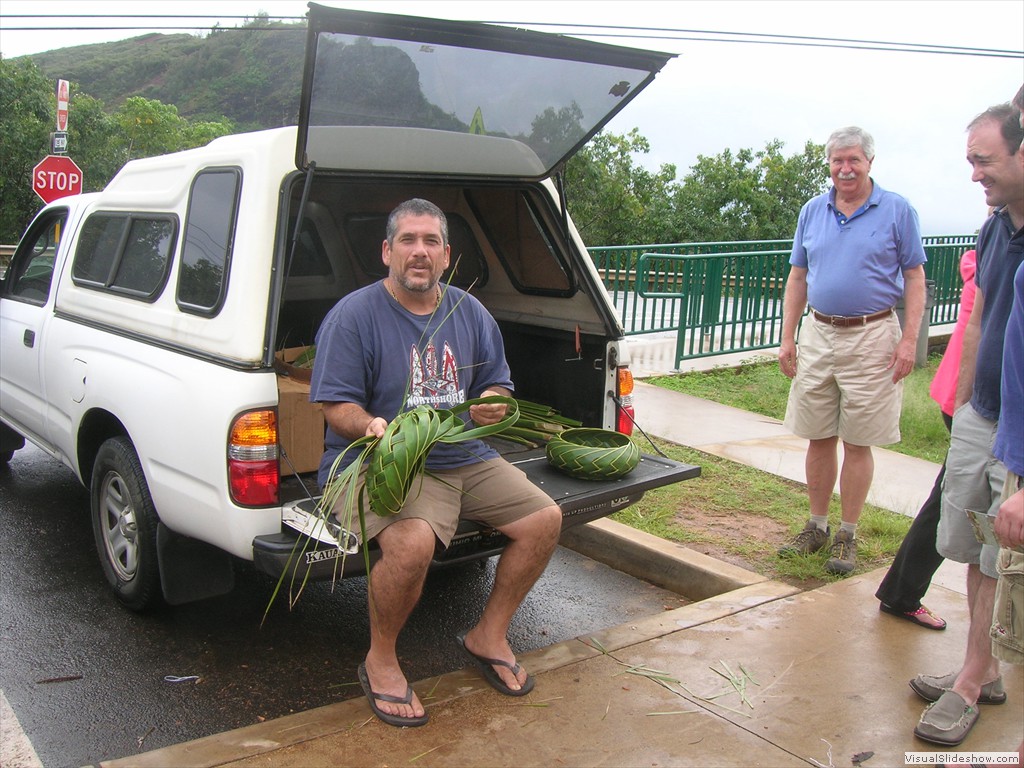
pixel 856 252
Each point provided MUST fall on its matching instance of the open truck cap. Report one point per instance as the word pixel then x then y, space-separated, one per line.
pixel 462 98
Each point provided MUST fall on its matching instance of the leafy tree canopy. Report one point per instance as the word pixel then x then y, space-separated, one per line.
pixel 98 141
pixel 743 196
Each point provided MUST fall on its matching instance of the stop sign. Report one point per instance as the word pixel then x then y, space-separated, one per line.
pixel 55 177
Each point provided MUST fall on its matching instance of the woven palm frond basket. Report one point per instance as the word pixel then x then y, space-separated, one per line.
pixel 593 454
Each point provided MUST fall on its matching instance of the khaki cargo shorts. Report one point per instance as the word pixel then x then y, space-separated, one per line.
pixel 1008 616
pixel 843 386
pixel 494 493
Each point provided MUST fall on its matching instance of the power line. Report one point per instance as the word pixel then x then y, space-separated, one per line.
pixel 627 32
pixel 142 16
pixel 853 46
pixel 930 48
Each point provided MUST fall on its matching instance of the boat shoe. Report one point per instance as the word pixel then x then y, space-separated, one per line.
pixel 947 721
pixel 931 687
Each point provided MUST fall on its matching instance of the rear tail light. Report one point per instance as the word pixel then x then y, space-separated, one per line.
pixel 624 411
pixel 253 473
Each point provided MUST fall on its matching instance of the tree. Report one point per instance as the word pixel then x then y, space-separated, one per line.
pixel 743 196
pixel 749 196
pixel 148 127
pixel 91 141
pixel 100 143
pixel 613 200
pixel 27 115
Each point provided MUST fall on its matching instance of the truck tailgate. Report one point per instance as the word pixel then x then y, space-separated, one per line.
pixel 580 501
pixel 584 500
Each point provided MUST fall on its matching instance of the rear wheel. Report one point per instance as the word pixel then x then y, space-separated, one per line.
pixel 124 523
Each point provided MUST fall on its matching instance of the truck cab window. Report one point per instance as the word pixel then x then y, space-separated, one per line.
pixel 31 269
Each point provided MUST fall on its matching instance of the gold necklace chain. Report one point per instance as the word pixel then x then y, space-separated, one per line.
pixel 387 284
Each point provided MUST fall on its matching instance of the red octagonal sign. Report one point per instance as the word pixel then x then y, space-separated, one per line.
pixel 55 177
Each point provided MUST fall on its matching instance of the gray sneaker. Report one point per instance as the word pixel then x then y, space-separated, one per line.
pixel 931 688
pixel 842 556
pixel 808 541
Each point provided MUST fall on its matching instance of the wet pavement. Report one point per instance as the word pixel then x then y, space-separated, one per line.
pixel 88 680
pixel 819 676
pixel 755 673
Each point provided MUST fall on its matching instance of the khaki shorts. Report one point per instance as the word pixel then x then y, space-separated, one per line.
pixel 1008 617
pixel 843 386
pixel 974 480
pixel 493 493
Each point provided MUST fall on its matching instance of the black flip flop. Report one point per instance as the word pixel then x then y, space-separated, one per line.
pixel 373 697
pixel 487 665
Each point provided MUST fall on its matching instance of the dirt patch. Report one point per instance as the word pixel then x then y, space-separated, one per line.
pixel 745 539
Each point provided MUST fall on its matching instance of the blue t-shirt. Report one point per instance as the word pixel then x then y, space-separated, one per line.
pixel 373 352
pixel 1009 447
pixel 855 265
pixel 1000 252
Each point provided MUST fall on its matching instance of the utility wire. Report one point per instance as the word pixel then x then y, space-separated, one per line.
pixel 815 38
pixel 628 32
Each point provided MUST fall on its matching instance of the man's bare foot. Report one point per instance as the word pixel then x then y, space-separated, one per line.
pixel 391 697
pixel 498 663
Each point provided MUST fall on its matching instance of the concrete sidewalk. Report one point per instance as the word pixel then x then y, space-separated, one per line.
pixel 754 673
pixel 901 483
pixel 821 676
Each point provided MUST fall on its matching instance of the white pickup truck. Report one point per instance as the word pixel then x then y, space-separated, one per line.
pixel 146 330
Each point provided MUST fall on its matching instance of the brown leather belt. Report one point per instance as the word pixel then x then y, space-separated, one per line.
pixel 848 322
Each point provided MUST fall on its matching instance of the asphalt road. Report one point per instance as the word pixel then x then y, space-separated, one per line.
pixel 90 681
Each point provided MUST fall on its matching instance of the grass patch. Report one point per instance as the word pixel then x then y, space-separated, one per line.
pixel 742 515
pixel 760 387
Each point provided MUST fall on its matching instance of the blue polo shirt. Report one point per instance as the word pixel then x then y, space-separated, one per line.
pixel 1009 447
pixel 855 265
pixel 1000 252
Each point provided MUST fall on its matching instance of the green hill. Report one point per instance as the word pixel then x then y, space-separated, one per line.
pixel 251 75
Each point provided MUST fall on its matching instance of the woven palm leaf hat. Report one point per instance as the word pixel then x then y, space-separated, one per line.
pixel 592 454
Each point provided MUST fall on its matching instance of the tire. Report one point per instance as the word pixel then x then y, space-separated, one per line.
pixel 10 441
pixel 124 524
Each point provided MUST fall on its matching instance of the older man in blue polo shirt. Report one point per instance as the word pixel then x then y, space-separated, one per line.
pixel 856 252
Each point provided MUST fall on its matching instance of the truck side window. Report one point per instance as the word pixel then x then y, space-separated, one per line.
pixel 125 253
pixel 31 269
pixel 209 237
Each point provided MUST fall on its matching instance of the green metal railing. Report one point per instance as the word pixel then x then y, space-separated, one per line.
pixel 726 297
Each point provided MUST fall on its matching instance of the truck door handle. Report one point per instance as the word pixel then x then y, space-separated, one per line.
pixel 30 338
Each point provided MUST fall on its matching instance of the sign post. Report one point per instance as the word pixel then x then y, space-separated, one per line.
pixel 59 138
pixel 56 176
pixel 62 105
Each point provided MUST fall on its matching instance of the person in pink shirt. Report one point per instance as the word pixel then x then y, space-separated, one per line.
pixel 943 389
pixel 910 574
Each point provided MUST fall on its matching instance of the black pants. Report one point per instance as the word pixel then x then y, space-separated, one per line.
pixel 911 572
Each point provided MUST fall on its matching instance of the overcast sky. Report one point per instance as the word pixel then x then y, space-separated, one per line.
pixel 719 95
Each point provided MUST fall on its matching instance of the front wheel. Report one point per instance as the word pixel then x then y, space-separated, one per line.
pixel 124 523
pixel 10 441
